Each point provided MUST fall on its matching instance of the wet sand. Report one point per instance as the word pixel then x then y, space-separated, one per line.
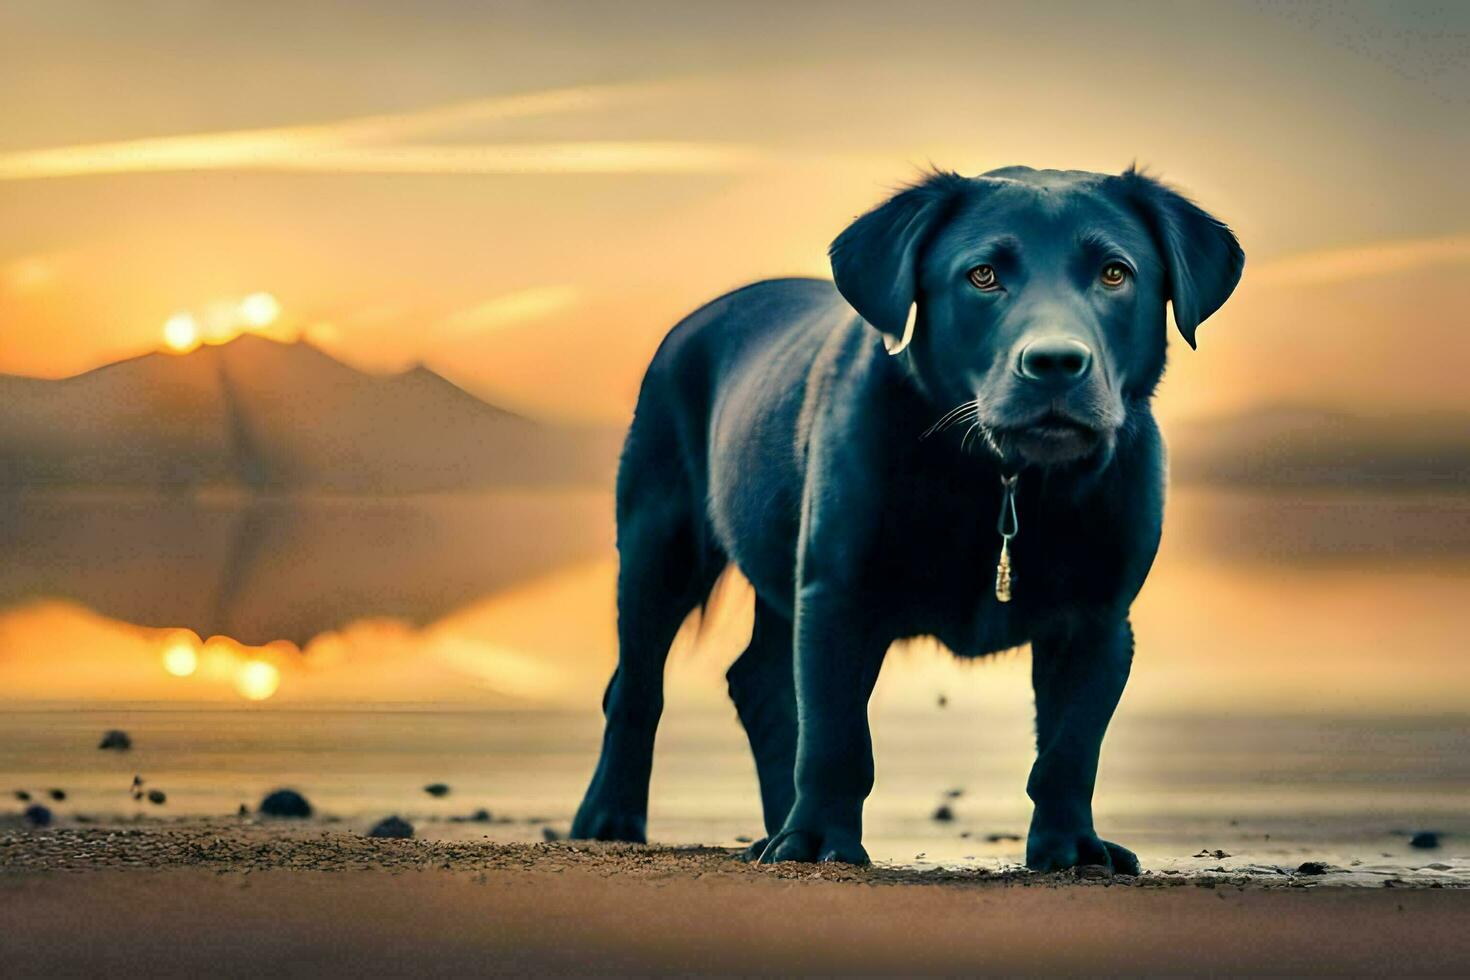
pixel 273 899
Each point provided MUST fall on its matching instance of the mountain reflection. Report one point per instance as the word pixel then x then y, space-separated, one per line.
pixel 286 569
pixel 1348 602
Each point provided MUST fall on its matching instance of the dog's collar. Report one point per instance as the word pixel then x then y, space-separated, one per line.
pixel 1007 526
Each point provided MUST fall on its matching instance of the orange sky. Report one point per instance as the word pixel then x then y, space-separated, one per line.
pixel 526 196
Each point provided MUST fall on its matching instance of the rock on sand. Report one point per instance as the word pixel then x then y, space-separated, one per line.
pixel 115 739
pixel 391 827
pixel 285 803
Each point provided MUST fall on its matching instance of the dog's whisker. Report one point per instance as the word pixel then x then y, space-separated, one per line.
pixel 949 418
pixel 960 413
pixel 964 418
pixel 965 440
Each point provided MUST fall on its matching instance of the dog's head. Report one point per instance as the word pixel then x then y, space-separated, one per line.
pixel 1032 301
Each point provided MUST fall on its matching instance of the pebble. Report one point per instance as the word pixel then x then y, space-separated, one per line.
pixel 437 790
pixel 157 797
pixel 1425 840
pixel 116 739
pixel 285 803
pixel 943 814
pixel 37 815
pixel 392 827
pixel 58 795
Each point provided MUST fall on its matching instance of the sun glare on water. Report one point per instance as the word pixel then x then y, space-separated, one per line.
pixel 257 680
pixel 219 322
pixel 221 662
pixel 181 654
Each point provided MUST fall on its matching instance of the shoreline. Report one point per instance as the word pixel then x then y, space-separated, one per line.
pixel 326 843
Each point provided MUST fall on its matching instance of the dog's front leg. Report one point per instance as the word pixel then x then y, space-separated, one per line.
pixel 1078 673
pixel 838 655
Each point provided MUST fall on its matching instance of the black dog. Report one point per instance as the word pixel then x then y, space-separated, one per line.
pixel 859 492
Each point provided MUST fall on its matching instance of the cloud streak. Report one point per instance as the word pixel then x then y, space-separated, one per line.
pixel 511 308
pixel 1364 261
pixel 370 144
pixel 31 274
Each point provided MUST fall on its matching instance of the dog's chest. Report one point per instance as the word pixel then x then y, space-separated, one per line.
pixel 1063 563
pixel 954 591
pixel 974 623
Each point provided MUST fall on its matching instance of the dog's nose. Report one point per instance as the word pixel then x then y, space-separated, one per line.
pixel 1055 360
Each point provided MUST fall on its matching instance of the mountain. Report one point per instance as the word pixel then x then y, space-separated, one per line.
pixel 1304 447
pixel 275 417
pixel 271 416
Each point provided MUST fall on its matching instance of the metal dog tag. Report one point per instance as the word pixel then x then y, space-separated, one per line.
pixel 1007 526
pixel 1003 572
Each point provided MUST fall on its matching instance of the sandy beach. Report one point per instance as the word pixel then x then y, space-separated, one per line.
pixel 175 900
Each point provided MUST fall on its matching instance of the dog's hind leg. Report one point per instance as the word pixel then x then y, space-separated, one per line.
pixel 763 687
pixel 664 571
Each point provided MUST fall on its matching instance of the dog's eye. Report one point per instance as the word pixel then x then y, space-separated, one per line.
pixel 983 277
pixel 1114 274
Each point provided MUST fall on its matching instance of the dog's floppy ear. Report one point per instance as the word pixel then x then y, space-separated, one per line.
pixel 1203 259
pixel 875 261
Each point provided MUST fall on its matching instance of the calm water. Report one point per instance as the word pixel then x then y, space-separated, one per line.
pixel 1265 790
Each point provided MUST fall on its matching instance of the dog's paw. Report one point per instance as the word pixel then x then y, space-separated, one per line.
pixel 596 822
pixel 1052 851
pixel 826 846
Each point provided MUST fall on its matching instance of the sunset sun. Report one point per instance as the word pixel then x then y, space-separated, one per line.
pixel 259 310
pixel 181 332
pixel 220 322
